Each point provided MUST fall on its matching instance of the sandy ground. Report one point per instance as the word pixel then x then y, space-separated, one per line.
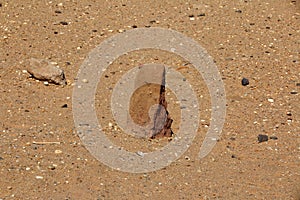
pixel 255 39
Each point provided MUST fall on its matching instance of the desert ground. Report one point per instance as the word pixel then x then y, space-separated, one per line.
pixel 41 154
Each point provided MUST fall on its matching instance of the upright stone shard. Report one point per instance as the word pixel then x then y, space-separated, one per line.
pixel 161 122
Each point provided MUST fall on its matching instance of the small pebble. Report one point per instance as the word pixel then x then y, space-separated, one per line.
pixel 58 151
pixel 64 106
pixel 64 23
pixel 192 18
pixel 245 82
pixel 273 138
pixel 140 153
pixel 271 100
pixel 262 138
pixel 85 81
pixel 294 92
pixel 39 177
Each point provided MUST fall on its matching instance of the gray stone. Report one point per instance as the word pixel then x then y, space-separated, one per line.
pixel 44 70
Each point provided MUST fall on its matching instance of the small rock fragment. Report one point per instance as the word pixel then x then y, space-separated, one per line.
pixel 262 138
pixel 85 81
pixel 64 106
pixel 294 92
pixel 192 17
pixel 64 23
pixel 39 177
pixel 245 82
pixel 58 151
pixel 140 153
pixel 42 69
pixel 271 100
pixel 273 138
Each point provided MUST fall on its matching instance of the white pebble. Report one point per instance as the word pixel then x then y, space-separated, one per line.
pixel 58 151
pixel 271 100
pixel 140 153
pixel 39 177
pixel 85 81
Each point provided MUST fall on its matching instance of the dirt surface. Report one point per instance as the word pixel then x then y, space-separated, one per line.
pixel 255 39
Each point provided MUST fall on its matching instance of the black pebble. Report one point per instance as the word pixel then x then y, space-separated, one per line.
pixel 297 84
pixel 64 106
pixel 134 26
pixel 64 23
pixel 58 11
pixel 294 92
pixel 262 138
pixel 1 158
pixel 245 82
